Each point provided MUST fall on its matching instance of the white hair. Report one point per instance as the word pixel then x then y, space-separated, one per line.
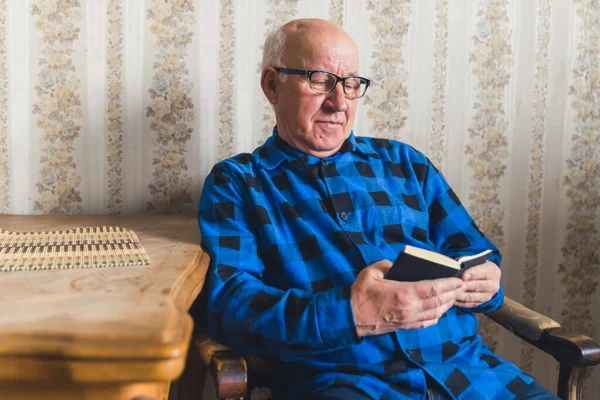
pixel 273 50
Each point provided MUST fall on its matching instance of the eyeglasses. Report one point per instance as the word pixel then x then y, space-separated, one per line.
pixel 324 82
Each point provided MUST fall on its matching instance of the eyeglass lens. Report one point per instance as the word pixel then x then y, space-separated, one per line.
pixel 322 82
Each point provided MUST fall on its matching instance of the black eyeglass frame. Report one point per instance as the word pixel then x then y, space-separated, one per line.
pixel 309 74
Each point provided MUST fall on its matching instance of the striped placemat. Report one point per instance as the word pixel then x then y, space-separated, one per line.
pixel 90 247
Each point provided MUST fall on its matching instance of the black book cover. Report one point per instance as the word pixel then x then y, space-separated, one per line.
pixel 411 268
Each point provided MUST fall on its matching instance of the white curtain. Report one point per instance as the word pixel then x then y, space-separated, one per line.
pixel 123 106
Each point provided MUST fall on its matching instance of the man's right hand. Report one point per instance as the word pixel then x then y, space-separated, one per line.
pixel 381 305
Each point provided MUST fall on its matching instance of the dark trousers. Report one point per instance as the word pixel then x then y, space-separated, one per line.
pixel 533 392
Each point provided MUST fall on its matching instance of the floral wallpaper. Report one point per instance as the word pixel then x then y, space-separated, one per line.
pixel 58 106
pixel 536 173
pixel 171 111
pixel 487 149
pixel 226 88
pixel 580 269
pixel 519 141
pixel 336 11
pixel 437 136
pixel 388 96
pixel 115 134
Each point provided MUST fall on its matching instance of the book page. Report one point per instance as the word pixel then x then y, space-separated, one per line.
pixel 467 258
pixel 432 256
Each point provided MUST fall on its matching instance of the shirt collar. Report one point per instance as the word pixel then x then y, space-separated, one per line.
pixel 275 151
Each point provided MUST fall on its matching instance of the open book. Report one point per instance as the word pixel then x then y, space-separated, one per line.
pixel 416 264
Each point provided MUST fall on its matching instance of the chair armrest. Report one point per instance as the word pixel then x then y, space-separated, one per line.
pixel 547 335
pixel 229 369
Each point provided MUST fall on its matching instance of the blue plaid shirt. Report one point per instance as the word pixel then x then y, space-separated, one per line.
pixel 288 233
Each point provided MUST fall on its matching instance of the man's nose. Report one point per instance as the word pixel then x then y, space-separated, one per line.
pixel 336 99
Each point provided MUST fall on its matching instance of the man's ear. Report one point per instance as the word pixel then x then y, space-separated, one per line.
pixel 269 81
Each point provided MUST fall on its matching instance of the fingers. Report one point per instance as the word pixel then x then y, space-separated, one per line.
pixel 434 313
pixel 427 312
pixel 477 292
pixel 428 317
pixel 439 301
pixel 435 287
pixel 482 286
pixel 381 306
pixel 436 298
pixel 473 299
pixel 485 271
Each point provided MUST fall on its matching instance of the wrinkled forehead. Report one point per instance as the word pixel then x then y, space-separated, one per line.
pixel 319 45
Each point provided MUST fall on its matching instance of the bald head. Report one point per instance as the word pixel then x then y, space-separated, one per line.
pixel 304 38
pixel 312 121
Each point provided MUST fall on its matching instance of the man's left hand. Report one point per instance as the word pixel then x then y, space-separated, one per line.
pixel 482 283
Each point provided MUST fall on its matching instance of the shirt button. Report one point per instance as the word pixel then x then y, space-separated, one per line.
pixel 344 216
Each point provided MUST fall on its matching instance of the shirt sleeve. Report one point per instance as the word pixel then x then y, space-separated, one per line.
pixel 453 231
pixel 242 311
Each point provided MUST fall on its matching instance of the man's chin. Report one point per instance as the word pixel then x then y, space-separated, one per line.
pixel 326 147
pixel 330 134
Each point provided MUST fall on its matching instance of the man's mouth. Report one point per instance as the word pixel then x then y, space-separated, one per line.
pixel 330 124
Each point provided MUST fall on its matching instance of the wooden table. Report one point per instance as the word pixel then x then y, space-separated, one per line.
pixel 101 333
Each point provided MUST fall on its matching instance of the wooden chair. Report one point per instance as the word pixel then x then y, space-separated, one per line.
pixel 235 376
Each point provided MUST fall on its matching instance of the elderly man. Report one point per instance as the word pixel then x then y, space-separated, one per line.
pixel 302 232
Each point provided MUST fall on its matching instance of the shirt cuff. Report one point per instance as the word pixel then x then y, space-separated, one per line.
pixel 335 318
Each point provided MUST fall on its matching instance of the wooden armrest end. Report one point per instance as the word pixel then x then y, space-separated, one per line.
pixel 229 369
pixel 547 334
pixel 231 374
pixel 570 348
pixel 207 347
